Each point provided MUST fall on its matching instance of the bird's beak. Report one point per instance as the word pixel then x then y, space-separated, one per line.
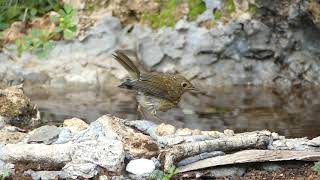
pixel 194 89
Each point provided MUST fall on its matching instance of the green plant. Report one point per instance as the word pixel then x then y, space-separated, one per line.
pixel 66 22
pixel 166 16
pixel 24 10
pixel 196 7
pixel 37 41
pixel 316 167
pixel 170 173
pixel 5 174
pixel 252 8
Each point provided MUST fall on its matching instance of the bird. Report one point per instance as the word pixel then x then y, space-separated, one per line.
pixel 156 91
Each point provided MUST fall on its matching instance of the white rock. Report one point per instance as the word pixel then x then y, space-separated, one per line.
pixel 140 166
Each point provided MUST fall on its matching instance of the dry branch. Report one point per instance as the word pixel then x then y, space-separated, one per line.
pixel 247 156
pixel 253 140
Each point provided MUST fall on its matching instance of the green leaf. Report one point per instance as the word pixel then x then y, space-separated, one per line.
pixel 67 34
pixel 73 28
pixel 230 6
pixel 68 8
pixel 33 12
pixel 217 14
pixel 252 8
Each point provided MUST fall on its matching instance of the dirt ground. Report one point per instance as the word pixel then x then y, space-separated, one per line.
pixel 295 171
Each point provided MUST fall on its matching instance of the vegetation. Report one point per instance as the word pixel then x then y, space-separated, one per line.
pixel 24 10
pixel 39 40
pixel 171 172
pixel 160 175
pixel 316 167
pixel 5 174
pixel 167 15
pixel 65 21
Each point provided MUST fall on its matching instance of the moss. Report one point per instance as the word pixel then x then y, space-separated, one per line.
pixel 172 10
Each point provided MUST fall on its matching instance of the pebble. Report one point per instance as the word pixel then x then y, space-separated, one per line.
pixel 165 129
pixel 140 166
pixel 184 132
pixel 75 124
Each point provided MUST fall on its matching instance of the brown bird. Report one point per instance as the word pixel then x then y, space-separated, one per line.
pixel 156 91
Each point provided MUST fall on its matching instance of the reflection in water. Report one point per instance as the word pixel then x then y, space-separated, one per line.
pixel 293 114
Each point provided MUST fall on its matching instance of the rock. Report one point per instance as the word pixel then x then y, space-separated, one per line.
pixel 46 174
pixel 165 129
pixel 151 53
pixel 65 136
pixel 226 171
pixel 270 167
pixel 314 142
pixel 90 155
pixel 6 169
pixel 75 124
pixel 196 132
pixel 212 133
pixel 16 108
pixel 45 134
pixel 136 144
pixel 140 166
pixel 228 132
pixel 184 132
pixel 11 137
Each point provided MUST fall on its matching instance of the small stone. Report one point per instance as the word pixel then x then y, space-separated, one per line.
pixel 314 142
pixel 275 136
pixel 184 132
pixel 45 134
pixel 270 167
pixel 196 132
pixel 212 133
pixel 165 129
pixel 228 132
pixel 227 171
pixel 75 124
pixel 140 166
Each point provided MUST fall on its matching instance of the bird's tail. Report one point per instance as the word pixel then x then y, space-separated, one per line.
pixel 127 63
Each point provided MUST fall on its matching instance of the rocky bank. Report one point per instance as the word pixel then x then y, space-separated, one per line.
pixel 277 46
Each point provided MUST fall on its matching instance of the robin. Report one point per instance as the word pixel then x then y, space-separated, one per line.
pixel 156 91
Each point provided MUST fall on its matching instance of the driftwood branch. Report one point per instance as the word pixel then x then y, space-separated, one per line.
pixel 247 156
pixel 252 140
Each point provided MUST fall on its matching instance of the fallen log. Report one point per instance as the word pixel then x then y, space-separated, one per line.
pixel 248 156
pixel 252 140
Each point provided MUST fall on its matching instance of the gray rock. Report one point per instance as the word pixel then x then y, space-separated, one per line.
pixel 37 175
pixel 226 171
pixel 45 134
pixel 270 167
pixel 6 169
pixel 151 53
pixel 65 136
pixel 90 155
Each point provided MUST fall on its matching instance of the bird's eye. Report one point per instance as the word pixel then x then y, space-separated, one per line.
pixel 184 84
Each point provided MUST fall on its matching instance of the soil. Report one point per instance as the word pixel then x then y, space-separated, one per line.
pixel 304 172
pixel 288 171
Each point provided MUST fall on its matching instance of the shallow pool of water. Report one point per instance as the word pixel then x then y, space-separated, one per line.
pixel 293 113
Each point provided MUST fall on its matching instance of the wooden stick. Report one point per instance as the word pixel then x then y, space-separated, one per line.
pixel 248 156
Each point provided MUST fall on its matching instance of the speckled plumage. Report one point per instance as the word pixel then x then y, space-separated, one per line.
pixel 156 91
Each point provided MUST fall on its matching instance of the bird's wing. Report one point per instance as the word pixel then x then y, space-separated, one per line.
pixel 147 88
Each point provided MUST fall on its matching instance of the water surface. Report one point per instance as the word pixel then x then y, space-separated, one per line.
pixel 293 113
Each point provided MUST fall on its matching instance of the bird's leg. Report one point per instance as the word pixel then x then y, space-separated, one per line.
pixel 154 113
pixel 141 112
